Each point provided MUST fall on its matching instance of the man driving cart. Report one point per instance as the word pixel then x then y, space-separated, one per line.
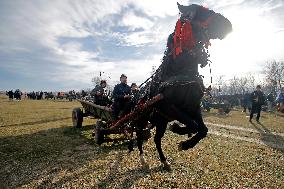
pixel 122 97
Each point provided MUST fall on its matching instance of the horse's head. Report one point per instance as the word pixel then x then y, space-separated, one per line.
pixel 216 25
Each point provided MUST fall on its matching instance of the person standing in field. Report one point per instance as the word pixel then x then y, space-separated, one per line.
pixel 11 95
pixel 257 100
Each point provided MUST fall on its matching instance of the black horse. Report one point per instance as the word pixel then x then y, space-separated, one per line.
pixel 177 87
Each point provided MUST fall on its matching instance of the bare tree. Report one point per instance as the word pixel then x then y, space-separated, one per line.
pixel 236 85
pixel 217 88
pixel 233 83
pixel 250 82
pixel 96 80
pixel 245 83
pixel 274 72
pixel 242 84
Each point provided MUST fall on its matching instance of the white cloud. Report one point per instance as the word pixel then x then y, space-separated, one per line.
pixel 136 22
pixel 138 38
pixel 34 28
pixel 224 3
pixel 136 70
pixel 73 55
pixel 159 8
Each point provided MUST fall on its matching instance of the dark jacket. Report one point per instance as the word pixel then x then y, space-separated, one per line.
pixel 96 89
pixel 257 98
pixel 101 99
pixel 120 90
pixel 10 94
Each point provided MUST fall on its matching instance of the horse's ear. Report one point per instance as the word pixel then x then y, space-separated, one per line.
pixel 180 7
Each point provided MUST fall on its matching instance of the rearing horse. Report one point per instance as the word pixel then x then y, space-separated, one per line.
pixel 176 89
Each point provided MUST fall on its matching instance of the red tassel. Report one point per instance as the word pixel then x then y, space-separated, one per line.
pixel 183 37
pixel 177 39
pixel 188 41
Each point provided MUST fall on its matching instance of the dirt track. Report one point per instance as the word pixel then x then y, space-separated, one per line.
pixel 40 149
pixel 258 134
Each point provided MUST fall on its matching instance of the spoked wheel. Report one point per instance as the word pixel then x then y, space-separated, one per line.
pixel 77 117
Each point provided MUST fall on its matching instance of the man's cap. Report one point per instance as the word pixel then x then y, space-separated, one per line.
pixel 133 84
pixel 123 75
pixel 103 81
pixel 258 86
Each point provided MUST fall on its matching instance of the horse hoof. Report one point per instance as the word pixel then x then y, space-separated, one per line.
pixel 166 166
pixel 180 146
pixel 185 145
pixel 174 127
pixel 145 166
pixel 143 163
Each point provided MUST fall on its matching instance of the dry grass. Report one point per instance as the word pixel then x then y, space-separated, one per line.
pixel 274 120
pixel 40 149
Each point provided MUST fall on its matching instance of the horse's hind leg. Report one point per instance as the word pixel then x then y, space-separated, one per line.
pixel 130 144
pixel 160 131
pixel 201 132
pixel 139 135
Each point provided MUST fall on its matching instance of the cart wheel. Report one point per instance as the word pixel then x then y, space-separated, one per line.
pixel 99 136
pixel 77 117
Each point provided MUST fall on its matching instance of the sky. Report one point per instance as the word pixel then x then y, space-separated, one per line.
pixel 61 45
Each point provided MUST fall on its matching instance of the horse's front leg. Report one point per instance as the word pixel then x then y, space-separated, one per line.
pixel 201 132
pixel 191 126
pixel 160 131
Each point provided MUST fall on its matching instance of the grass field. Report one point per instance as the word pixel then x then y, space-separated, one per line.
pixel 40 149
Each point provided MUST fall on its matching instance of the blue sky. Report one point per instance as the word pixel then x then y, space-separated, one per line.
pixel 61 45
